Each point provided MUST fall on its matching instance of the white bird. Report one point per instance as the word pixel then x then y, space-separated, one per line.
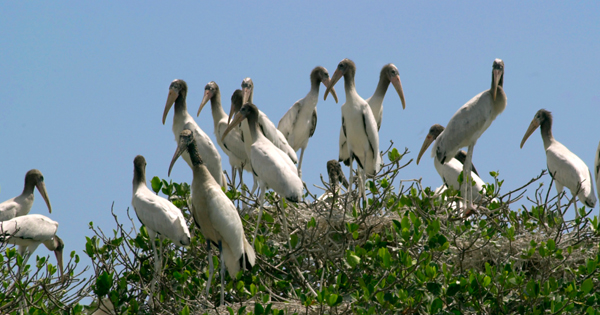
pixel 597 168
pixel 266 126
pixel 272 166
pixel 469 123
pixel 566 168
pixel 21 204
pixel 450 171
pixel 158 214
pixel 359 126
pixel 389 74
pixel 215 215
pixel 183 120
pixel 233 145
pixel 29 231
pixel 300 121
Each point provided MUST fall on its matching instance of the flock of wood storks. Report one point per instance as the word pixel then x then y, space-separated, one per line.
pixel 253 143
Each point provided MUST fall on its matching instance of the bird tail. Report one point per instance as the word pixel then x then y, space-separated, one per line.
pixel 249 256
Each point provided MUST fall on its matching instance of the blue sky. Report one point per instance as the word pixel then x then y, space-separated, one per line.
pixel 84 85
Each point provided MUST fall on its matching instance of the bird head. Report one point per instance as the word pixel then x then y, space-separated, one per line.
pixel 321 75
pixel 186 139
pixel 35 177
pixel 177 88
pixel 247 90
pixel 541 118
pixel 391 73
pixel 210 90
pixel 345 66
pixel 434 132
pixel 497 76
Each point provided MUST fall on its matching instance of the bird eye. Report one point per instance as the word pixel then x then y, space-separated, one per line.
pixel 42 178
pixel 340 66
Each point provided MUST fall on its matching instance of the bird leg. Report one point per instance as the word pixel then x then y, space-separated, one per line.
pixel 467 182
pixel 211 268
pixel 152 237
pixel 222 274
pixel 300 162
pixel 233 173
pixel 285 226
pixel 261 199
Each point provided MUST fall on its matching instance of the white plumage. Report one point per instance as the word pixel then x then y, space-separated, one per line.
pixel 389 74
pixel 215 215
pixel 272 167
pixel 450 171
pixel 266 126
pixel 469 123
pixel 233 145
pixel 300 121
pixel 597 169
pixel 183 120
pixel 29 231
pixel 566 168
pixel 21 204
pixel 358 125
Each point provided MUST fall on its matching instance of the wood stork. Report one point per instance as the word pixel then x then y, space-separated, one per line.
pixel 300 121
pixel 597 169
pixel 272 167
pixel 336 176
pixel 450 171
pixel 21 204
pixel 183 120
pixel 389 74
pixel 469 123
pixel 266 126
pixel 233 145
pixel 158 214
pixel 566 168
pixel 358 124
pixel 215 215
pixel 29 231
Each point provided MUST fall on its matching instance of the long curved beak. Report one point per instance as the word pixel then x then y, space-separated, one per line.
pixel 336 77
pixel 208 94
pixel 428 140
pixel 327 83
pixel 170 100
pixel 496 75
pixel 59 259
pixel 181 147
pixel 246 92
pixel 398 86
pixel 236 120
pixel 232 112
pixel 42 189
pixel 532 127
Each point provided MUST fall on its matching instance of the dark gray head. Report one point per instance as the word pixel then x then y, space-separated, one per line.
pixel 212 93
pixel 347 69
pixel 436 130
pixel 497 76
pixel 177 93
pixel 139 170
pixel 186 143
pixel 34 178
pixel 321 75
pixel 247 90
pixel 236 103
pixel 542 118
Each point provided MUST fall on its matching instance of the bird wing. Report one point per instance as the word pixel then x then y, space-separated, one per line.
pixel 343 155
pixel 288 121
pixel 233 141
pixel 466 125
pixel 225 219
pixel 159 214
pixel 567 168
pixel 275 170
pixel 373 136
pixel 275 136
pixel 313 123
pixel 597 169
pixel 8 209
pixel 34 226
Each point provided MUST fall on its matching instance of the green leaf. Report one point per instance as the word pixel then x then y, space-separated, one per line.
pixel 293 240
pixel 332 300
pixel 352 259
pixel 156 184
pixel 587 285
pixel 258 309
pixel 185 311
pixel 103 284
pixel 436 305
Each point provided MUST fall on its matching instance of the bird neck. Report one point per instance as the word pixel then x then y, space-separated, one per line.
pixel 194 154
pixel 180 104
pixel 546 130
pixel 349 83
pixel 28 188
pixel 253 126
pixel 382 86
pixel 139 177
pixel 217 110
pixel 314 84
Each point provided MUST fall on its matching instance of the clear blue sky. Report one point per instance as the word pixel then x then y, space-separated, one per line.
pixel 83 85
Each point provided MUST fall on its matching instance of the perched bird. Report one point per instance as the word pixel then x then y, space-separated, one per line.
pixel 450 171
pixel 233 145
pixel 157 214
pixel 566 168
pixel 358 125
pixel 267 128
pixel 300 121
pixel 21 205
pixel 469 123
pixel 29 231
pixel 597 168
pixel 334 170
pixel 272 167
pixel 215 215
pixel 389 74
pixel 183 120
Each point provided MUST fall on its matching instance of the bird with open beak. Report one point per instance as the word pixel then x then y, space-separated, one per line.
pixel 564 166
pixel 21 205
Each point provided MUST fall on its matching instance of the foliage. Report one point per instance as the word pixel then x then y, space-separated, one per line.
pixel 405 250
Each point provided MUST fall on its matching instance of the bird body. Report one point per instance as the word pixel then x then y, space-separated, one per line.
pixel 183 120
pixel 233 145
pixel 29 231
pixel 597 169
pixel 389 74
pixel 564 166
pixel 300 121
pixel 21 204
